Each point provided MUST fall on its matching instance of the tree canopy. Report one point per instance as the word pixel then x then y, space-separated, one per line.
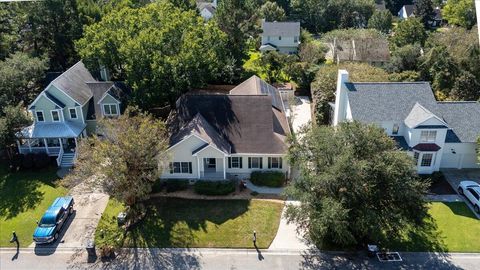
pixel 160 50
pixel 460 12
pixel 355 186
pixel 12 120
pixel 409 31
pixel 271 11
pixel 381 20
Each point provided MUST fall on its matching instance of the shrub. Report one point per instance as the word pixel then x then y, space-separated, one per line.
pixel 16 162
pixel 176 184
pixel 267 178
pixel 27 162
pixel 41 160
pixel 206 187
pixel 158 186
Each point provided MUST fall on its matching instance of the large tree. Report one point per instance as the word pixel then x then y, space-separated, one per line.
pixel 126 160
pixel 381 20
pixel 466 87
pixel 20 77
pixel 424 11
pixel 324 85
pixel 405 58
pixel 160 50
pixel 271 11
pixel 355 186
pixel 440 69
pixel 12 120
pixel 460 12
pixel 409 31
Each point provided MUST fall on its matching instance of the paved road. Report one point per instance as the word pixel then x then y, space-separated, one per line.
pixel 232 259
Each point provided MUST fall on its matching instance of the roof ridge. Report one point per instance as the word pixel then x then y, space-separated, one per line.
pixel 66 71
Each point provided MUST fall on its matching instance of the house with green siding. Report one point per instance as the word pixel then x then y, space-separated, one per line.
pixel 66 110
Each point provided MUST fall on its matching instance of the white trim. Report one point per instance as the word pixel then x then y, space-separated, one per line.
pixel 36 117
pixel 224 169
pixel 110 104
pixel 198 168
pixel 209 145
pixel 255 154
pixel 70 113
pixel 433 116
pixel 185 138
pixel 59 117
pixel 42 94
pixel 105 95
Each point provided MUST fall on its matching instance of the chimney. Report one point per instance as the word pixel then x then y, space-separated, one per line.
pixel 340 98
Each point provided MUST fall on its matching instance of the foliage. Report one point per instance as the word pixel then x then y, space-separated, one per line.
pixel 324 85
pixel 423 10
pixel 91 11
pixel 460 12
pixel 353 184
pixel 271 11
pixel 41 160
pixel 395 5
pixel 438 67
pixel 466 87
pixel 268 178
pixel 409 31
pixel 405 58
pixel 160 50
pixel 322 16
pixel 126 160
pixel 405 76
pixel 20 77
pixel 272 63
pixel 215 187
pixel 173 185
pixel 381 20
pixel 13 119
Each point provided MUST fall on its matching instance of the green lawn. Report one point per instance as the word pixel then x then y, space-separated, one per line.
pixel 195 223
pixel 452 227
pixel 24 197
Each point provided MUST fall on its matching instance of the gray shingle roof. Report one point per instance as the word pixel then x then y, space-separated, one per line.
pixel 377 102
pixel 256 86
pixel 73 83
pixel 289 29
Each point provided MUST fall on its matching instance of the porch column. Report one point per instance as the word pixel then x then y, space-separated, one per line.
pixel 29 146
pixel 76 144
pixel 198 167
pixel 224 169
pixel 46 145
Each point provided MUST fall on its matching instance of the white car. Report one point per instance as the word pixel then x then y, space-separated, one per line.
pixel 471 190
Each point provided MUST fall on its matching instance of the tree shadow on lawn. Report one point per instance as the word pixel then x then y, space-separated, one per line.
pixel 461 209
pixel 173 222
pixel 19 191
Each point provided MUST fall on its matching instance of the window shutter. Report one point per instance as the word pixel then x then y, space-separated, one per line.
pixel 171 167
pixel 261 163
pixel 241 162
pixel 249 162
pixel 281 162
pixel 269 162
pixel 229 162
pixel 189 167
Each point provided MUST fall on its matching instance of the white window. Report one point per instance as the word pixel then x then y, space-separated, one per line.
pixel 55 116
pixel 416 155
pixel 426 160
pixel 110 109
pixel 73 113
pixel 428 136
pixel 255 163
pixel 235 162
pixel 39 115
pixel 395 129
pixel 274 162
pixel 181 167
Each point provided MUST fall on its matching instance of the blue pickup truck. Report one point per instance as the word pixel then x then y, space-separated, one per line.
pixel 53 220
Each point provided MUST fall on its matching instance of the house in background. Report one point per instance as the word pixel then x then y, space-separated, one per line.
pixel 207 9
pixel 373 51
pixel 66 110
pixel 408 11
pixel 437 134
pixel 227 136
pixel 283 37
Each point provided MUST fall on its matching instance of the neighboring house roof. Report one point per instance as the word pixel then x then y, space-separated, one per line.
pixel 281 28
pixel 413 102
pixel 268 47
pixel 200 127
pixel 362 50
pixel 73 83
pixel 409 9
pixel 256 86
pixel 380 5
pixel 246 122
pixel 67 129
pixel 206 5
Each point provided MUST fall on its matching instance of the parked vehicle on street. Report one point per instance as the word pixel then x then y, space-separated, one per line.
pixel 471 190
pixel 51 224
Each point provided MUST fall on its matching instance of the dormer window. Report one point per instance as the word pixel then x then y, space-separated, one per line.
pixel 110 109
pixel 55 116
pixel 428 136
pixel 40 117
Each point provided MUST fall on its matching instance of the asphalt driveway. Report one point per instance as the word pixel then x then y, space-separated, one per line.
pixel 454 177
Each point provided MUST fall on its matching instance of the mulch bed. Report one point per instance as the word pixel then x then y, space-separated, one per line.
pixel 245 194
pixel 440 186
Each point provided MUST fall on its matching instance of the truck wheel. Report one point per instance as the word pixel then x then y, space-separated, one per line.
pixel 477 209
pixel 55 237
pixel 70 211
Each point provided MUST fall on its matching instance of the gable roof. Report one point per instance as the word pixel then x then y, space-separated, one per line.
pixel 281 28
pixel 409 9
pixel 200 127
pixel 73 83
pixel 245 122
pixel 256 86
pixel 360 49
pixel 463 117
pixel 418 115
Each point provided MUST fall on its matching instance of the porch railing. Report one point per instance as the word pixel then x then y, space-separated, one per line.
pixel 52 151
pixel 59 158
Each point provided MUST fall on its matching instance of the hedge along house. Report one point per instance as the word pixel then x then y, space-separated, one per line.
pixel 228 136
pixel 66 110
pixel 437 134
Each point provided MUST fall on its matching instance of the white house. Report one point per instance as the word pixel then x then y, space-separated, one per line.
pixel 283 37
pixel 406 12
pixel 207 9
pixel 228 136
pixel 437 134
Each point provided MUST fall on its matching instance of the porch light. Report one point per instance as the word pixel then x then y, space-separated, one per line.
pixel 453 151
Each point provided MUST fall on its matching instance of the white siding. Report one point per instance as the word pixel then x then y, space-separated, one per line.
pixel 459 156
pixel 182 152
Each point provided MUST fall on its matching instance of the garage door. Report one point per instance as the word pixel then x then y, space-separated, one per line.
pixel 470 161
pixel 452 161
pixel 449 160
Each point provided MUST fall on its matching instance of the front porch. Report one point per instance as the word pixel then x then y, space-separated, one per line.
pixel 50 146
pixel 212 168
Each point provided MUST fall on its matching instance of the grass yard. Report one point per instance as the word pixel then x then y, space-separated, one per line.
pixel 24 197
pixel 452 227
pixel 195 223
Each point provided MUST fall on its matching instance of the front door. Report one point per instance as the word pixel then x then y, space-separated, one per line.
pixel 210 164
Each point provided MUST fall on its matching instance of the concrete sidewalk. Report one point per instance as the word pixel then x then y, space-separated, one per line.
pixel 287 237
